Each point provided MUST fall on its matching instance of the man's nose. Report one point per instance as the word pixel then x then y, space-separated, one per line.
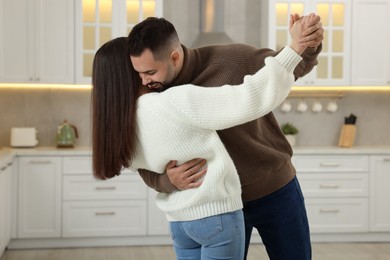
pixel 145 80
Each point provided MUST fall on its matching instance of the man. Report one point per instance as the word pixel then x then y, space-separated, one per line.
pixel 273 201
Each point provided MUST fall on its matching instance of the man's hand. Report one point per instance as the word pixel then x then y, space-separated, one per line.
pixel 313 33
pixel 188 175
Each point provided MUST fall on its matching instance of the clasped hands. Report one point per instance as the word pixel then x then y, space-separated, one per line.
pixel 306 31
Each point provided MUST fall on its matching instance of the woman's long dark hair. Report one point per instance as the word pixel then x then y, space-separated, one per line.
pixel 114 95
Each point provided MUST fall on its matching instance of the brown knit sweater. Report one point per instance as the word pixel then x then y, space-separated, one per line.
pixel 259 149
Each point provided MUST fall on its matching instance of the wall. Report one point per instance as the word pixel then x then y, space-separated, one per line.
pixel 373 123
pixel 46 109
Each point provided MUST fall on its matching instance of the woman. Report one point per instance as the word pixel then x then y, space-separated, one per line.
pixel 135 128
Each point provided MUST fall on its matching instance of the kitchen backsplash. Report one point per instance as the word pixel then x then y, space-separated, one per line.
pixel 46 109
pixel 323 128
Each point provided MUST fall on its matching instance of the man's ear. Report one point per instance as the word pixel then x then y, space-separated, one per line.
pixel 175 56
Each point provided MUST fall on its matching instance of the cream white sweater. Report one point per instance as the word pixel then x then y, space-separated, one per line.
pixel 180 124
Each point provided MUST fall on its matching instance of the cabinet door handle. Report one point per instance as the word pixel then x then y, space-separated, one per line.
pixel 40 162
pixel 329 186
pixel 10 164
pixel 386 159
pixel 329 164
pixel 329 210
pixel 3 168
pixel 111 213
pixel 105 188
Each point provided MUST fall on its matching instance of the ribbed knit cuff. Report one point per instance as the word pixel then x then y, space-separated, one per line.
pixel 288 58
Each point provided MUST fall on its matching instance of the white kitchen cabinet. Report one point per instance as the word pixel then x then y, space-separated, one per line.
pixel 334 60
pixel 37 39
pixel 101 208
pixel 98 21
pixel 104 218
pixel 336 191
pixel 370 42
pixel 157 221
pixel 39 197
pixel 5 203
pixel 380 194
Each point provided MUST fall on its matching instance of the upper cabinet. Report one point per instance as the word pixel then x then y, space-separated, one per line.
pixel 98 21
pixel 334 60
pixel 370 42
pixel 36 41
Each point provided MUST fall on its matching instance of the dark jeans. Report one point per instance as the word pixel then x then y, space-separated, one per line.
pixel 281 220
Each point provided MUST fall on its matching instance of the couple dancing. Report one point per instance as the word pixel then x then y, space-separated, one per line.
pixel 215 153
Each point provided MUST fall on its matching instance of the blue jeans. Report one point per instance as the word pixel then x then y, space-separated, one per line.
pixel 281 220
pixel 216 237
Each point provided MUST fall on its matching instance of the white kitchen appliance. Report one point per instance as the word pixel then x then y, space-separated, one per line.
pixel 24 137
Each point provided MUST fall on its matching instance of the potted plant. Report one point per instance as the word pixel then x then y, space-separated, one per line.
pixel 290 131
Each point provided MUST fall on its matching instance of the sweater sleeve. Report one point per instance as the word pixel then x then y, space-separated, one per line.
pixel 218 108
pixel 309 60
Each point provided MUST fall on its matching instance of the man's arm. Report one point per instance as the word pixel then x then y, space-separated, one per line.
pixel 186 176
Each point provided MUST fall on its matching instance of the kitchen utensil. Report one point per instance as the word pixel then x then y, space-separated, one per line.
pixel 317 107
pixel 332 106
pixel 24 137
pixel 350 120
pixel 66 135
pixel 286 106
pixel 348 131
pixel 302 106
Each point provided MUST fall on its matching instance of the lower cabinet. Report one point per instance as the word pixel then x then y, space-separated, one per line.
pixel 337 215
pixel 157 221
pixel 39 197
pixel 104 218
pixel 94 208
pixel 5 203
pixel 380 194
pixel 58 197
pixel 336 190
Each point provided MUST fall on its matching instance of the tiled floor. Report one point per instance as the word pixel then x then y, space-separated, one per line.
pixel 321 251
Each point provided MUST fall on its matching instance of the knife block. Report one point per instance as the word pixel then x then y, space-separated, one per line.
pixel 347 135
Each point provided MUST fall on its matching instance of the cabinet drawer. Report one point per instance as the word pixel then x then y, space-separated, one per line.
pixel 334 184
pixel 77 165
pixel 318 163
pixel 82 165
pixel 84 187
pixel 337 215
pixel 108 218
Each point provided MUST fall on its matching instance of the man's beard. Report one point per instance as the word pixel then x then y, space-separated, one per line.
pixel 162 87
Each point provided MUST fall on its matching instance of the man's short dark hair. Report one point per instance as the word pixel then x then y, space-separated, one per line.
pixel 156 34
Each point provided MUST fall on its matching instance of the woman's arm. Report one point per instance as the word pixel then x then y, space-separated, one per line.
pixel 223 107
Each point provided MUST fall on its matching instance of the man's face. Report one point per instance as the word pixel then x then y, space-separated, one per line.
pixel 155 74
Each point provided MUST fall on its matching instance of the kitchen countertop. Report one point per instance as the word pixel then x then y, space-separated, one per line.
pixel 298 150
pixel 47 151
pixel 329 150
pixel 5 156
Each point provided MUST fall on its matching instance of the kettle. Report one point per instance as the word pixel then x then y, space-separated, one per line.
pixel 66 135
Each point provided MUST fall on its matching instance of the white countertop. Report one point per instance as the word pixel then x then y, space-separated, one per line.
pixel 47 151
pixel 329 150
pixel 298 150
